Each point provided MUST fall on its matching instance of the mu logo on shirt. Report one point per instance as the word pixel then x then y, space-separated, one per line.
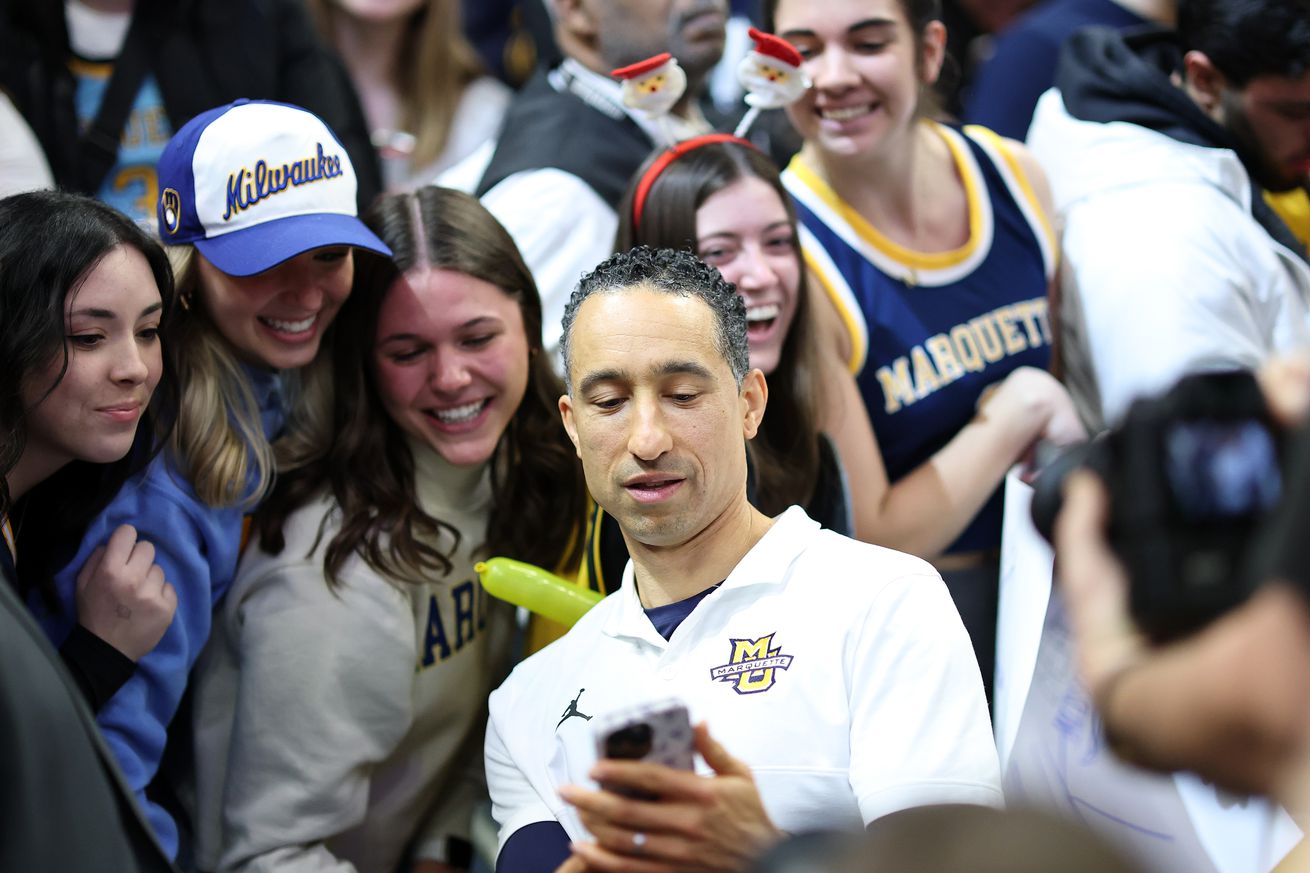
pixel 754 665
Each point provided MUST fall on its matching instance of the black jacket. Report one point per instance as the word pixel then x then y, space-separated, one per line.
pixel 203 53
pixel 549 129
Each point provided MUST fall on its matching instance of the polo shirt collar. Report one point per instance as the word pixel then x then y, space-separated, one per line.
pixel 769 562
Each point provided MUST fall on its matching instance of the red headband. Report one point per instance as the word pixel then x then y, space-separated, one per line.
pixel 669 156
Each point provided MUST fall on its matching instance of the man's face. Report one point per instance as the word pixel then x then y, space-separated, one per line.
pixel 1270 119
pixel 633 30
pixel 656 415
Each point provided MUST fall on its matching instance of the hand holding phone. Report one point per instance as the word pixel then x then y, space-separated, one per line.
pixel 658 732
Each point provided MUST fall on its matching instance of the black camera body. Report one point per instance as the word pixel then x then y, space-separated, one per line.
pixel 1193 476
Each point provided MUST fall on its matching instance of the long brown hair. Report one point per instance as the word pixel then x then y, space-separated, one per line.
pixel 342 440
pixel 434 65
pixel 786 449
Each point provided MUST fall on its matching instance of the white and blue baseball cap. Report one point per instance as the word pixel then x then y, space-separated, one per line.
pixel 254 183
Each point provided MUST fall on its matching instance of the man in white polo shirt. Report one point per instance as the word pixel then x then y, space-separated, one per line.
pixel 836 675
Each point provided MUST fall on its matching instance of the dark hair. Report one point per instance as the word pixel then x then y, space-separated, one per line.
pixel 349 445
pixel 673 272
pixel 918 12
pixel 1248 38
pixel 786 449
pixel 50 241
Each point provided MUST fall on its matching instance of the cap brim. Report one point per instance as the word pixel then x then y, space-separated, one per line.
pixel 264 246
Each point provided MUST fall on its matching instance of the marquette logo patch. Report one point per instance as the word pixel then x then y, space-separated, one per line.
pixel 753 665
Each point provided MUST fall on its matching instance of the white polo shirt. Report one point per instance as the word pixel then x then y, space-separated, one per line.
pixel 865 697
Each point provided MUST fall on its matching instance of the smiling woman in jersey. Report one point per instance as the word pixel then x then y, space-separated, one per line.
pixel 255 294
pixel 934 246
pixel 339 715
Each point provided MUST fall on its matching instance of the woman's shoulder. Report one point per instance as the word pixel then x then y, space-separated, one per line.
pixel 161 496
pixel 1013 155
pixel 306 532
pixel 296 573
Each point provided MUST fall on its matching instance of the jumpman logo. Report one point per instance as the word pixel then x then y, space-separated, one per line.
pixel 573 710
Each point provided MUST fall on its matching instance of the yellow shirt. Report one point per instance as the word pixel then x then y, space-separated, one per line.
pixel 592 574
pixel 1294 208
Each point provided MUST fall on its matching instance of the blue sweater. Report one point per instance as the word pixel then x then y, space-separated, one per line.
pixel 197 547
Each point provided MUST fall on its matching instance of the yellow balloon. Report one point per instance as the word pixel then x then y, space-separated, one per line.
pixel 535 589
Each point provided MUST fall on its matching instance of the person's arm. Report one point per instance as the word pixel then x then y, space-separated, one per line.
pixel 187 536
pixel 124 605
pixel 926 510
pixel 697 823
pixel 325 692
pixel 97 667
pixel 1231 701
pixel 539 847
pixel 562 228
pixel 1032 172
pixel 531 839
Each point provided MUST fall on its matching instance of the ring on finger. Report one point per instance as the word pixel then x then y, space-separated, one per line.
pixel 638 843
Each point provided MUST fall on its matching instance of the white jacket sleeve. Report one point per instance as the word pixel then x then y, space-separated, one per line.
pixel 562 228
pixel 326 684
pixel 1153 307
pixel 515 803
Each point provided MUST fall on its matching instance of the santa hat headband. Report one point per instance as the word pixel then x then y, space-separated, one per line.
pixel 668 157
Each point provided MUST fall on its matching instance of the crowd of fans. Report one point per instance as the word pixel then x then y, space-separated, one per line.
pixel 306 308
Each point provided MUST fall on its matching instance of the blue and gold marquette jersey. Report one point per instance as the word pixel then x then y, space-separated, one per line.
pixel 930 331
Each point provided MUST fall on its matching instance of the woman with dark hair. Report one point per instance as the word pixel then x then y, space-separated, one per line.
pixel 934 244
pixel 724 200
pixel 83 292
pixel 432 440
pixel 721 198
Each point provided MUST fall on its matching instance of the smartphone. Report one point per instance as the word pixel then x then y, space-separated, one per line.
pixel 659 732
